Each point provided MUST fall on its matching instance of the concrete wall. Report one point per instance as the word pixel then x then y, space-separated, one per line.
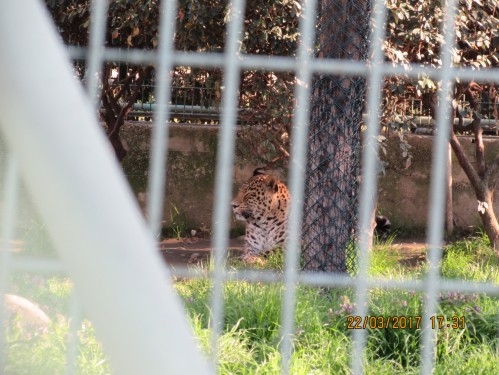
pixel 190 171
pixel 403 193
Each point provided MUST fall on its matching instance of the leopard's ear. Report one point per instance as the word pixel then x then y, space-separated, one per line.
pixel 271 182
pixel 259 171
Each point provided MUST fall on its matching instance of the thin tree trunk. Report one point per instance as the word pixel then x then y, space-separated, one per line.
pixel 117 103
pixel 449 214
pixel 482 175
pixel 490 223
pixel 483 182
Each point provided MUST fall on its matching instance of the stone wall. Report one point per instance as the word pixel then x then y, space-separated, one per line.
pixel 403 193
pixel 190 171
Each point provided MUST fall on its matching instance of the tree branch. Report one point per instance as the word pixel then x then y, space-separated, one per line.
pixel 125 83
pixel 460 125
pixel 131 100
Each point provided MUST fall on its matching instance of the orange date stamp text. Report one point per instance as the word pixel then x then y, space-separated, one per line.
pixel 383 322
pixel 404 322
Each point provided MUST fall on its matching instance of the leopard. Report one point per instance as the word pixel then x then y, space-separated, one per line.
pixel 262 202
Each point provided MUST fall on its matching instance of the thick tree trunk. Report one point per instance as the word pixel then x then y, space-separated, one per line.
pixel 332 177
pixel 330 209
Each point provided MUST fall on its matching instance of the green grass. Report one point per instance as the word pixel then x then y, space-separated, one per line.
pixel 44 351
pixel 322 344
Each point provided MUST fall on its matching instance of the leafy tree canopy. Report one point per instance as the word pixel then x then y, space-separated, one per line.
pixel 414 36
pixel 270 27
pixel 414 33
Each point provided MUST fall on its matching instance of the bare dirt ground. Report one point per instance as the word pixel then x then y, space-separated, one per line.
pixel 193 250
pixel 411 253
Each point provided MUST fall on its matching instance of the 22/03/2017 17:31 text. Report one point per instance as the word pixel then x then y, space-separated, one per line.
pixel 403 322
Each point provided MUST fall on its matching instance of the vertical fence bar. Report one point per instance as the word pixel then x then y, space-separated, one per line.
pixel 98 15
pixel 160 132
pixel 368 188
pixel 73 341
pixel 298 164
pixel 93 77
pixel 7 232
pixel 225 160
pixel 438 189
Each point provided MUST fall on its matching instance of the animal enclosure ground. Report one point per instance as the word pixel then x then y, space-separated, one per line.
pixel 410 253
pixel 193 250
pixel 249 342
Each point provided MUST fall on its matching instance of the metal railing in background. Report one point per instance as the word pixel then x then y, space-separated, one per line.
pixel 201 105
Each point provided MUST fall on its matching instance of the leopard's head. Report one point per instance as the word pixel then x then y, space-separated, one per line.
pixel 255 198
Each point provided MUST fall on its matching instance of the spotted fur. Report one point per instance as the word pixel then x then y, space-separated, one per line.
pixel 263 203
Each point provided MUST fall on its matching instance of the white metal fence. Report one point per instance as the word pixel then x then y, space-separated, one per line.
pixel 84 201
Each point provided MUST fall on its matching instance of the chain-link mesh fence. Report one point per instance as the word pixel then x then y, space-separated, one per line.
pixel 333 170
